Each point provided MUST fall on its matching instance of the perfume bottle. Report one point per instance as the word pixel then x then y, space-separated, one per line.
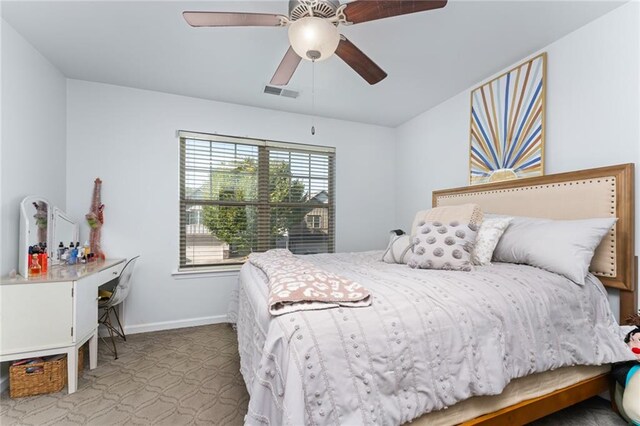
pixel 80 253
pixel 35 268
pixel 73 254
pixel 59 252
pixel 44 262
pixel 87 251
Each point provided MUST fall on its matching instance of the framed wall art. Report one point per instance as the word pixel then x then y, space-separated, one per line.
pixel 507 124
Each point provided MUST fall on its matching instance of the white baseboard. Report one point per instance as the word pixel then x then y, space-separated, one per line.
pixel 169 325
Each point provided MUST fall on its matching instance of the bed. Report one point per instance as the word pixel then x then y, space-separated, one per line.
pixel 503 344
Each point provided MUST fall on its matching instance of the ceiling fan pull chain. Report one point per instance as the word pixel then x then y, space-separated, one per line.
pixel 313 97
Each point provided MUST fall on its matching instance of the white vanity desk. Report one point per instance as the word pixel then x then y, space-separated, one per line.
pixel 54 313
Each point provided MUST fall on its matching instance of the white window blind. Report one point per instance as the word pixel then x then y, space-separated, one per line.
pixel 239 196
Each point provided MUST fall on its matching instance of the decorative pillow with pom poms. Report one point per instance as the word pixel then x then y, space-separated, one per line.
pixel 441 245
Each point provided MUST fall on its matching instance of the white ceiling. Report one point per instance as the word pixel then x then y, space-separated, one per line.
pixel 429 56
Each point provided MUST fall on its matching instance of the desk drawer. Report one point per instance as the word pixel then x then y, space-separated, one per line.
pixel 109 274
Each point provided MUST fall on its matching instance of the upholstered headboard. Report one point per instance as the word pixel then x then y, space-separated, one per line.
pixel 591 193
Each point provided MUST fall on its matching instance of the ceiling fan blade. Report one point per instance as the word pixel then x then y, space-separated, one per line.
pixel 360 62
pixel 370 10
pixel 230 19
pixel 286 68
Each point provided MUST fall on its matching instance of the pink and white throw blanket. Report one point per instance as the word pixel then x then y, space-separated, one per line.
pixel 298 285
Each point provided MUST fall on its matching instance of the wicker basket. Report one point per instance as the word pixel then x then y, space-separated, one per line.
pixel 51 378
pixel 81 359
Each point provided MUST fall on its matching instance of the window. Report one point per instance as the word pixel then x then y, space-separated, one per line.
pixel 314 220
pixel 239 196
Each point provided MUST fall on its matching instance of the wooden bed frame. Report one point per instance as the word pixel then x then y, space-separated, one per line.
pixel 622 275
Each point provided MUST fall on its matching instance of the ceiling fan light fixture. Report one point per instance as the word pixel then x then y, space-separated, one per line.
pixel 313 38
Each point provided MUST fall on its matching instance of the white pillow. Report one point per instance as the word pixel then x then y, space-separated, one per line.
pixel 565 247
pixel 488 236
pixel 399 249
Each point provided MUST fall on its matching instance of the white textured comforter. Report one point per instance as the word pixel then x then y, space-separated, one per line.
pixel 429 340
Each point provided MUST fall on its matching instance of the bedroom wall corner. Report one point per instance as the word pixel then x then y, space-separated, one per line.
pixel 33 141
pixel 592 118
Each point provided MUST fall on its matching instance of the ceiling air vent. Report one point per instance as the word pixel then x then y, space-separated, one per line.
pixel 272 90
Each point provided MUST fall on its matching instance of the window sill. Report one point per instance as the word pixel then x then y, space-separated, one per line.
pixel 215 272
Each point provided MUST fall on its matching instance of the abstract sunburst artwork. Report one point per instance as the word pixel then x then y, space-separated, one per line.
pixel 507 124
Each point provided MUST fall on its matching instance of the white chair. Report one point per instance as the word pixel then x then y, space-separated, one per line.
pixel 109 300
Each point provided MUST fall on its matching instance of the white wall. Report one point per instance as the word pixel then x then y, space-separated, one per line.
pixel 32 148
pixel 592 117
pixel 32 151
pixel 127 137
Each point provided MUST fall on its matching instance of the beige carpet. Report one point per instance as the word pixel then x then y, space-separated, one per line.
pixel 180 377
pixel 187 376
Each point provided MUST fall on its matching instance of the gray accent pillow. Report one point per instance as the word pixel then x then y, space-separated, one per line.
pixel 399 249
pixel 443 246
pixel 564 247
pixel 491 229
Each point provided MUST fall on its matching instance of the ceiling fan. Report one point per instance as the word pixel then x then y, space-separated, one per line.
pixel 313 30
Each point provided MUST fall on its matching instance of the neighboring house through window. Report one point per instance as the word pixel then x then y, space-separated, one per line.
pixel 240 195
